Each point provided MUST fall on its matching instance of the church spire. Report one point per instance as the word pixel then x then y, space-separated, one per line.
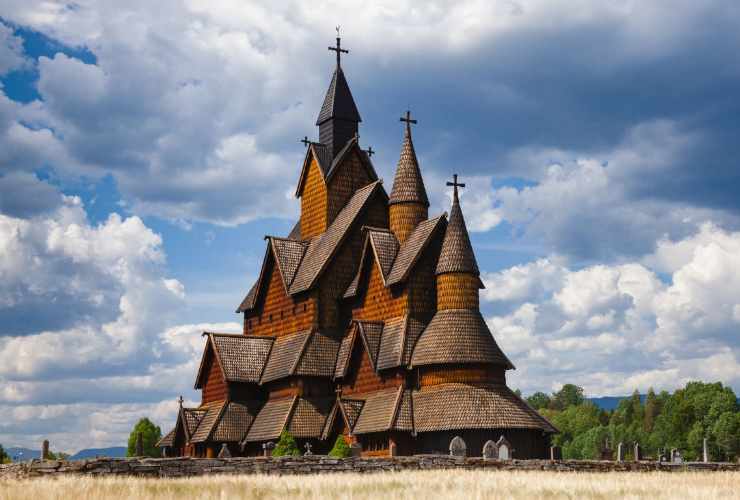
pixel 408 200
pixel 338 119
pixel 457 253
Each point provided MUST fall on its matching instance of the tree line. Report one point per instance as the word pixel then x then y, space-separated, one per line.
pixel 660 422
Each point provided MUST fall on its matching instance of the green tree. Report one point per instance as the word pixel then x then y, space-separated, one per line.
pixel 150 434
pixel 726 434
pixel 652 409
pixel 341 449
pixel 286 446
pixel 539 400
pixel 568 395
pixel 572 422
pixel 4 457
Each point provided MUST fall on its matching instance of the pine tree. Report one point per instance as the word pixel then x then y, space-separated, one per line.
pixel 286 446
pixel 651 411
pixel 150 434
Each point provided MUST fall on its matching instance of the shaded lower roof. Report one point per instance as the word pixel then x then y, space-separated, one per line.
pixel 302 417
pixel 208 422
pixel 286 352
pixel 308 353
pixel 271 419
pixel 458 336
pixel 167 440
pixel 191 418
pixel 371 333
pixel 379 248
pixel 309 416
pixel 379 411
pixel 351 409
pixel 462 406
pixel 345 352
pixel 235 421
pixel 410 252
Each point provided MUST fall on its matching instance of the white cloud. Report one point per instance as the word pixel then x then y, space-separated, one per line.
pixel 616 328
pixel 11 51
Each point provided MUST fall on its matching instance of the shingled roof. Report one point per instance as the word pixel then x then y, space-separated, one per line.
pixel 338 102
pixel 371 332
pixel 380 246
pixel 379 411
pixel 322 248
pixel 307 352
pixel 309 417
pixel 412 249
pixel 302 417
pixel 345 352
pixel 241 357
pixel 208 422
pixel 271 419
pixel 286 353
pixel 408 186
pixel 235 420
pixel 461 406
pixel 458 336
pixel 397 341
pixel 457 254
pixel 167 440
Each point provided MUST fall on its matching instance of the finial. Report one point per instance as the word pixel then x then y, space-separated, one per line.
pixel 180 400
pixel 305 141
pixel 338 49
pixel 455 185
pixel 370 151
pixel 407 118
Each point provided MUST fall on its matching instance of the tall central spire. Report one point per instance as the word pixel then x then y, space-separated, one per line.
pixel 338 119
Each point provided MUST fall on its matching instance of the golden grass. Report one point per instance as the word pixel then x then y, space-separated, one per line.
pixel 424 485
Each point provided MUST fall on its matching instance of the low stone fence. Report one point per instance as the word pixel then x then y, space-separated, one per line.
pixel 186 466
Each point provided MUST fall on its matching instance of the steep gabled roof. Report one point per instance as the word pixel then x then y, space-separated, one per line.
pixel 328 166
pixel 458 336
pixel 309 417
pixel 345 352
pixel 285 355
pixel 412 249
pixel 338 102
pixel 302 417
pixel 380 244
pixel 271 419
pixel 167 440
pixel 408 186
pixel 371 332
pixel 379 411
pixel 308 353
pixel 208 422
pixel 323 248
pixel 235 421
pixel 457 254
pixel 241 358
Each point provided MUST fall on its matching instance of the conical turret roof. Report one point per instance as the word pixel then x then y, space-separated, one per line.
pixel 408 186
pixel 457 254
pixel 338 103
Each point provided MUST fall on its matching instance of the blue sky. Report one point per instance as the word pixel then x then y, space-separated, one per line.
pixel 146 149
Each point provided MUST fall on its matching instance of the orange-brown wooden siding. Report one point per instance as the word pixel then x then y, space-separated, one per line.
pixel 214 387
pixel 361 377
pixel 313 203
pixel 350 175
pixel 457 291
pixel 280 314
pixel 404 217
pixel 343 266
pixel 421 286
pixel 463 374
pixel 378 303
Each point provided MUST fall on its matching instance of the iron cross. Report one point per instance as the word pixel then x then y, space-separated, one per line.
pixel 370 151
pixel 305 141
pixel 338 49
pixel 455 184
pixel 407 118
pixel 180 400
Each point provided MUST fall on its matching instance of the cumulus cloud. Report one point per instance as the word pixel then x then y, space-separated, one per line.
pixel 616 328
pixel 11 51
pixel 87 313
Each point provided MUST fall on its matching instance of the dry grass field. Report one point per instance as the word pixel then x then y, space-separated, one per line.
pixel 405 485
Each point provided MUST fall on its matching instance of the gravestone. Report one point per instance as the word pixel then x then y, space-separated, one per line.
pixel 308 450
pixel 224 453
pixel 556 453
pixel 355 449
pixel 704 451
pixel 505 451
pixel 267 448
pixel 637 454
pixel 45 450
pixel 620 452
pixel 458 448
pixel 676 456
pixel 139 445
pixel 490 450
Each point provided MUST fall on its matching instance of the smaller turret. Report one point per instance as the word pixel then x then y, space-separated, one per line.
pixel 408 202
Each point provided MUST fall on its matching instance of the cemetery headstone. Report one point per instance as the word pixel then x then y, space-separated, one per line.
pixel 490 450
pixel 705 451
pixel 267 448
pixel 620 452
pixel 458 448
pixel 637 454
pixel 556 453
pixel 505 451
pixel 308 450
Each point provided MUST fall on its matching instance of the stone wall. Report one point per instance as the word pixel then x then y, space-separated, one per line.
pixel 186 466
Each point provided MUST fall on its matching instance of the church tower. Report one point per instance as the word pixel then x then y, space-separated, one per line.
pixel 338 119
pixel 408 202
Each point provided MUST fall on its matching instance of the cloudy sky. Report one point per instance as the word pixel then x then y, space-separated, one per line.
pixel 146 148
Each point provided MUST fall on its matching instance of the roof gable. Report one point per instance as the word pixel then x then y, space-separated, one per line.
pixel 410 252
pixel 338 102
pixel 384 247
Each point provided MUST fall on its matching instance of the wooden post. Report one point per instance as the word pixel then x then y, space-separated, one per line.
pixel 705 451
pixel 45 450
pixel 139 445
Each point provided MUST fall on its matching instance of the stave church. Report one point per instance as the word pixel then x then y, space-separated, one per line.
pixel 364 322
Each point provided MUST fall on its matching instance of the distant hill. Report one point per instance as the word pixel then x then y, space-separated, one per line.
pixel 23 454
pixel 116 451
pixel 17 453
pixel 611 402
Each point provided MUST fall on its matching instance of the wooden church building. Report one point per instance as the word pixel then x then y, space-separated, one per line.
pixel 364 322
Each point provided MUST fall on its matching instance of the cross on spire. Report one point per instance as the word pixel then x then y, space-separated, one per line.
pixel 180 400
pixel 407 118
pixel 305 141
pixel 338 49
pixel 370 151
pixel 455 185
